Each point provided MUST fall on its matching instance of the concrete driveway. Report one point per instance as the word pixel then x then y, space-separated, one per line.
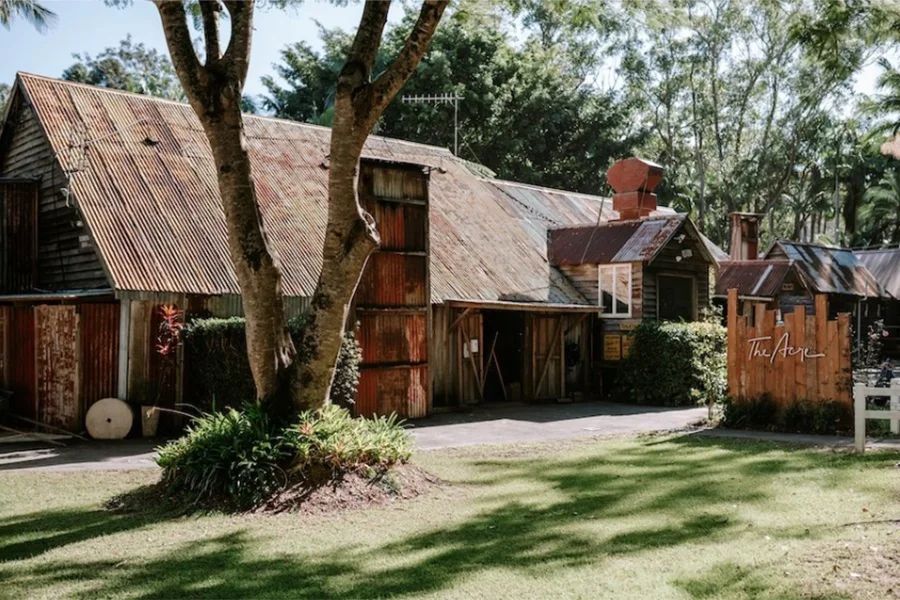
pixel 506 424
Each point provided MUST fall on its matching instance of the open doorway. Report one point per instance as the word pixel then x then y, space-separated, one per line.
pixel 504 341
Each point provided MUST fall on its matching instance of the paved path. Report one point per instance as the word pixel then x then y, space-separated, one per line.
pixel 505 424
pixel 484 425
pixel 800 439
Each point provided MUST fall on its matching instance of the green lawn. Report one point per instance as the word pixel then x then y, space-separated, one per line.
pixel 651 518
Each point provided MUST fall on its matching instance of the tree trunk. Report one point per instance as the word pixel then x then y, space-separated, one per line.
pixel 270 350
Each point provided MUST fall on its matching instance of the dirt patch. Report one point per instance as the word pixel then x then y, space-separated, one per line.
pixel 864 565
pixel 355 490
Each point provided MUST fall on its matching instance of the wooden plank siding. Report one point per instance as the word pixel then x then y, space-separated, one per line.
pixel 666 263
pixel 800 359
pixel 66 258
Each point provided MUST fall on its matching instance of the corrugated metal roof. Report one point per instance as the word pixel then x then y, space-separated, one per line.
pixel 142 175
pixel 756 278
pixel 829 270
pixel 617 241
pixel 884 265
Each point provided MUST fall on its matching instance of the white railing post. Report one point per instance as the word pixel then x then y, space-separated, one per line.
pixel 859 417
pixel 895 404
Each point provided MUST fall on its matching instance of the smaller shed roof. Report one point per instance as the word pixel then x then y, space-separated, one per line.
pixel 828 270
pixel 884 265
pixel 634 240
pixel 752 278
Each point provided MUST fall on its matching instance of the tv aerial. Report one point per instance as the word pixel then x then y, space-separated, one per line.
pixel 453 99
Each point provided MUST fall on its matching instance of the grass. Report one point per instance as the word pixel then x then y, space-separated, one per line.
pixel 674 517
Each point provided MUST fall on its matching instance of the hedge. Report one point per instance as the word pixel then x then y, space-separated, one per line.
pixel 218 370
pixel 674 364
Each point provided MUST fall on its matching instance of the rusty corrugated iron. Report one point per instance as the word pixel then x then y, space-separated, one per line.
pixel 636 240
pixel 56 366
pixel 143 177
pixel 884 265
pixel 18 214
pixel 99 338
pixel 829 270
pixel 20 360
pixel 753 278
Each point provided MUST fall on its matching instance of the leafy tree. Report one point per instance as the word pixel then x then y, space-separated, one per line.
pixel 132 67
pixel 527 110
pixel 881 211
pixel 742 97
pixel 4 95
pixel 33 12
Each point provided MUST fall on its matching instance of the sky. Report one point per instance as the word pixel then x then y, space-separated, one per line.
pixel 90 26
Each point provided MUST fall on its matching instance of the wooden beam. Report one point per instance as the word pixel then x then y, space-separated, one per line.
pixel 548 357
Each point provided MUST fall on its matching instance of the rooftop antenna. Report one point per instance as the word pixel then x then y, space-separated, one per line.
pixel 453 99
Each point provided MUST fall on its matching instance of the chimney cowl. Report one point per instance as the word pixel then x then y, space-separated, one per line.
pixel 633 180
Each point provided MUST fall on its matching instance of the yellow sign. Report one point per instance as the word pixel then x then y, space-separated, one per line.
pixel 627 341
pixel 612 346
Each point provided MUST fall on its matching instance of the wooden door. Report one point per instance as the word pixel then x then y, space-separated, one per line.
pixel 56 366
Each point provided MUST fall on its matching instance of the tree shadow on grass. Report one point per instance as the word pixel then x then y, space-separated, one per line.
pixel 574 512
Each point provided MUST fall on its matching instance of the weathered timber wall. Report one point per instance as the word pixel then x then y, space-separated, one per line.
pixel 804 358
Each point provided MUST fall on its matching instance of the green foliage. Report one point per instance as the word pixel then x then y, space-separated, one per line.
pixel 219 371
pixel 329 441
pixel 240 459
pixel 674 364
pixel 799 416
pixel 31 11
pixel 131 67
pixel 232 456
pixel 528 111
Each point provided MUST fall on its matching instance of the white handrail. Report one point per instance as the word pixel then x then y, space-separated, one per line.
pixel 861 414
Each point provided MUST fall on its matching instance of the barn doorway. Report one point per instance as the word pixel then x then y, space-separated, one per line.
pixel 503 359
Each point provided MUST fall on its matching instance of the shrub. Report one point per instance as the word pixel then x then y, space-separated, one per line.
pixel 231 456
pixel 239 459
pixel 329 441
pixel 798 416
pixel 674 364
pixel 219 372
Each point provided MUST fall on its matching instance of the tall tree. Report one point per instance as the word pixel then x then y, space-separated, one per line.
pixel 4 95
pixel 131 67
pixel 350 233
pixel 527 112
pixel 33 12
pixel 214 85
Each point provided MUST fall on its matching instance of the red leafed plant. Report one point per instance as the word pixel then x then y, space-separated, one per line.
pixel 170 329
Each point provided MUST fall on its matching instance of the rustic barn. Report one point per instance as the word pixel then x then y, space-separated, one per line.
pixel 113 198
pixel 884 265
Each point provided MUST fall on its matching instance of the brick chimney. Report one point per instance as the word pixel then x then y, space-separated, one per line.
pixel 634 180
pixel 745 235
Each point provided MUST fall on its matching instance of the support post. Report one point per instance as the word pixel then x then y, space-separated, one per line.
pixel 859 417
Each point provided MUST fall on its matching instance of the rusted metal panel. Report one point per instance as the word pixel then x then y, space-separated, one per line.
pixel 392 301
pixel 829 270
pixel 393 337
pixel 99 351
pixel 401 389
pixel 20 370
pixel 754 278
pixel 18 235
pixel 56 366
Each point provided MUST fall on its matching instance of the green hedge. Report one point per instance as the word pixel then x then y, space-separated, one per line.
pixel 674 364
pixel 218 370
pixel 798 416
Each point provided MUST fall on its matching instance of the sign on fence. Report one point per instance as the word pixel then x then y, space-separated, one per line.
pixel 801 357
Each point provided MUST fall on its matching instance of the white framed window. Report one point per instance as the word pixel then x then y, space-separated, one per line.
pixel 614 287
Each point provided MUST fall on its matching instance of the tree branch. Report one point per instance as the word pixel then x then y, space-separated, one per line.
pixel 178 39
pixel 237 55
pixel 210 14
pixel 389 83
pixel 368 38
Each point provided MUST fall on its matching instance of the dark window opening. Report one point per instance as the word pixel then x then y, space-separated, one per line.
pixel 503 377
pixel 676 298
